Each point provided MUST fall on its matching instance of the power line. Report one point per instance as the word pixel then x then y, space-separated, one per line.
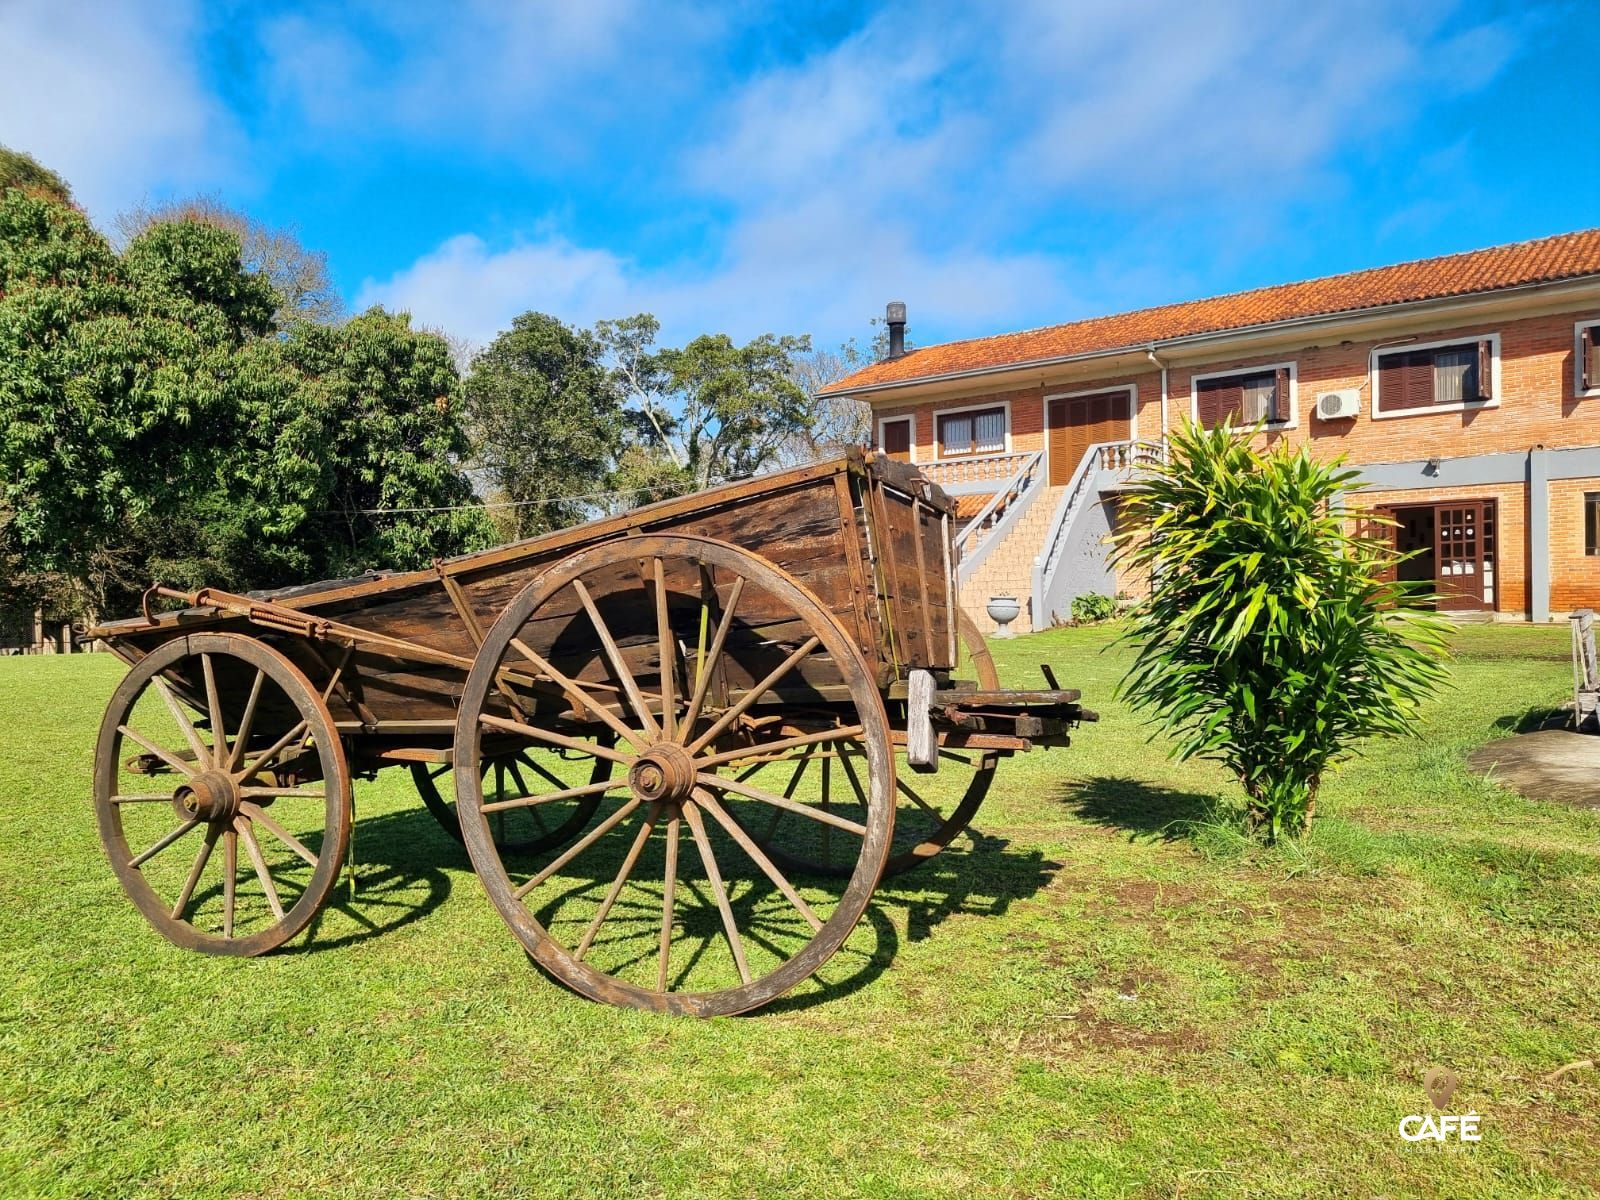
pixel 616 493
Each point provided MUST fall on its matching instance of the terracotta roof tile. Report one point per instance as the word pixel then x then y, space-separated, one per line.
pixel 1544 260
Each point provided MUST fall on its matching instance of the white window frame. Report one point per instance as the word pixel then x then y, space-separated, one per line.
pixel 1044 412
pixel 1578 392
pixel 1293 367
pixel 1375 375
pixel 912 418
pixel 940 413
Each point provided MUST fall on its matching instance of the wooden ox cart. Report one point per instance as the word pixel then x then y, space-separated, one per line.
pixel 762 678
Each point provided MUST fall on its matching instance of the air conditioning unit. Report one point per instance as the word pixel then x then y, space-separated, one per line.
pixel 1338 406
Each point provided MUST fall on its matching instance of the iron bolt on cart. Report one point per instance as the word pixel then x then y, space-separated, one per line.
pixel 682 745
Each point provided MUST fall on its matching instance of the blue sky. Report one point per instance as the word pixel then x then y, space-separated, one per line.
pixel 789 168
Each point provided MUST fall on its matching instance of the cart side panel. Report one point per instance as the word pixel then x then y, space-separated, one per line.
pixel 912 570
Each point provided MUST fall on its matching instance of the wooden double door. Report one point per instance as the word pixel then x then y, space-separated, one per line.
pixel 1074 423
pixel 1451 545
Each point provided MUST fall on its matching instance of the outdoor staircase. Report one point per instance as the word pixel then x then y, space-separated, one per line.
pixel 1040 543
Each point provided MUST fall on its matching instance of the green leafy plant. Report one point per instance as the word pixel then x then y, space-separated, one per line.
pixel 1275 637
pixel 1091 607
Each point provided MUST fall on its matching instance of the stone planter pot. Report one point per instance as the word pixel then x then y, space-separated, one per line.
pixel 1002 611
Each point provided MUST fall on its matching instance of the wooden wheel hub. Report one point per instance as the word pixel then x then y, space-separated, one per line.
pixel 210 795
pixel 664 772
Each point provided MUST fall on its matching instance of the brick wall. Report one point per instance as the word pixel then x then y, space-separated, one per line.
pixel 1574 575
pixel 1534 405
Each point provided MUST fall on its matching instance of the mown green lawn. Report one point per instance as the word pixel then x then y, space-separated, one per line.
pixel 1102 994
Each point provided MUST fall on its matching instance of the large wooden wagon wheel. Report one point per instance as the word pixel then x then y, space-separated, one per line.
pixel 932 808
pixel 526 829
pixel 222 794
pixel 698 660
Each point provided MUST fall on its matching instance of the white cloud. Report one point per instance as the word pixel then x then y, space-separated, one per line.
pixel 108 96
pixel 473 292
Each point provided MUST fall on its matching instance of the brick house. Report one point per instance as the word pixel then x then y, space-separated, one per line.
pixel 1465 388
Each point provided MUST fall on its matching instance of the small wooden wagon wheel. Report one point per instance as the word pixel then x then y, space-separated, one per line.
pixel 526 829
pixel 215 744
pixel 932 809
pixel 684 661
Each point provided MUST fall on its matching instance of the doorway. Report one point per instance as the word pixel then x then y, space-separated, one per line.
pixel 1452 547
pixel 1074 423
pixel 896 438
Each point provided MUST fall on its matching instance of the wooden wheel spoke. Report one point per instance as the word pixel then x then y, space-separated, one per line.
pixel 259 815
pixel 571 793
pixel 576 692
pixel 578 847
pixel 630 686
pixel 705 668
pixel 910 793
pixel 143 798
pixel 664 650
pixel 191 734
pixel 260 863
pixel 550 737
pixel 730 927
pixel 166 756
pixel 843 734
pixel 212 834
pixel 271 753
pixel 230 882
pixel 283 793
pixel 669 888
pixel 783 802
pixel 617 884
pixel 241 736
pixel 736 831
pixel 542 770
pixel 523 790
pixel 219 730
pixel 138 860
pixel 754 694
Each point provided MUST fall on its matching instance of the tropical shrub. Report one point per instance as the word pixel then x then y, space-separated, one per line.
pixel 1091 607
pixel 1275 636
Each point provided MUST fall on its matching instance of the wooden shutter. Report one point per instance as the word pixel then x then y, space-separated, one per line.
pixel 1219 399
pixel 1586 356
pixel 1405 381
pixel 1485 370
pixel 1280 396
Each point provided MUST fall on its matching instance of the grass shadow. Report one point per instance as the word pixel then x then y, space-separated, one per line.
pixel 393 856
pixel 1531 720
pixel 977 875
pixel 1142 809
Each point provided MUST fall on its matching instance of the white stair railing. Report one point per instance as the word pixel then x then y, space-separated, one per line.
pixel 990 523
pixel 1121 458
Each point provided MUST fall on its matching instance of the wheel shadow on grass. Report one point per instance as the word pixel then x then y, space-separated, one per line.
pixel 398 862
pixel 978 875
pixel 1142 809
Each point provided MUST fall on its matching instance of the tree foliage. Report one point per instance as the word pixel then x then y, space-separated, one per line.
pixel 1274 638
pixel 712 410
pixel 298 275
pixel 153 421
pixel 546 421
pixel 19 170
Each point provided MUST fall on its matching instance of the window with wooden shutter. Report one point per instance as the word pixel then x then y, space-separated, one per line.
pixel 1244 398
pixel 1591 522
pixel 1436 376
pixel 1588 356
